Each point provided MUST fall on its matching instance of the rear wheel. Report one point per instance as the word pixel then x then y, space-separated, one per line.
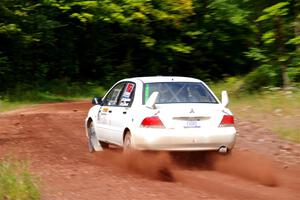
pixel 104 145
pixel 127 144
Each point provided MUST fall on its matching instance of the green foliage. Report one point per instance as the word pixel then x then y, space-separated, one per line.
pixel 102 41
pixel 16 182
pixel 231 84
pixel 269 37
pixel 277 44
pixel 9 28
pixel 180 48
pixel 83 17
pixel 263 76
pixel 276 10
pixel 295 40
pixel 230 10
pixel 294 74
pixel 257 54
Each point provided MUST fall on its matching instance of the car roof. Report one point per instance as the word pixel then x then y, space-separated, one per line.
pixel 153 79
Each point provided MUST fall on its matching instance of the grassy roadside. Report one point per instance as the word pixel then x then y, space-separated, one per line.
pixel 7 106
pixel 55 91
pixel 277 110
pixel 16 182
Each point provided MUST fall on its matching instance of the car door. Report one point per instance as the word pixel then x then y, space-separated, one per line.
pixel 120 114
pixel 106 113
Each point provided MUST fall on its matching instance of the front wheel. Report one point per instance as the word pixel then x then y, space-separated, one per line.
pixel 93 143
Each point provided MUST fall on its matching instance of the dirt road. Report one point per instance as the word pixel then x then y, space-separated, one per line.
pixel 52 138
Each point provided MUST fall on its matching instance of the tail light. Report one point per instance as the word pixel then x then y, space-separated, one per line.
pixel 227 121
pixel 153 122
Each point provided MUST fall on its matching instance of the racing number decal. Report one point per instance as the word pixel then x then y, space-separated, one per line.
pixel 128 90
pixel 125 100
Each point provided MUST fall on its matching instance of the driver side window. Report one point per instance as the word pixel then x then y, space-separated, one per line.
pixel 113 96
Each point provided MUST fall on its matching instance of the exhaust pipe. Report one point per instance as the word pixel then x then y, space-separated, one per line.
pixel 223 150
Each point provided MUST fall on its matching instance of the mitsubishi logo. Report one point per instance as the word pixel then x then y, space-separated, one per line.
pixel 192 111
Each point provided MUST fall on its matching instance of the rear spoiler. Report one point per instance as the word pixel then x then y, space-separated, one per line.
pixel 152 100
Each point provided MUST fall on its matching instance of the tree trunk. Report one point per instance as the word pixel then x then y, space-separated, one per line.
pixel 281 52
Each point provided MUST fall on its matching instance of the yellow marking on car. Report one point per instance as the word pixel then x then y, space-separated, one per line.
pixel 104 109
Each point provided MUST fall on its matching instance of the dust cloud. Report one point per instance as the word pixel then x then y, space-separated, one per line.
pixel 243 164
pixel 248 165
pixel 163 166
pixel 153 165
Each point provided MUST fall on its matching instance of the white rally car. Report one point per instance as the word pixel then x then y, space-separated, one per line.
pixel 161 113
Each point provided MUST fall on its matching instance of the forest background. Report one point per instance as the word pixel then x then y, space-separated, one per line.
pixel 68 46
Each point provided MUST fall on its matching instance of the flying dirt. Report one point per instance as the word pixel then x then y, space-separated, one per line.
pixel 52 139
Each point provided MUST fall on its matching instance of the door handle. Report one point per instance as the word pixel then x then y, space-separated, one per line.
pixel 110 111
pixel 124 112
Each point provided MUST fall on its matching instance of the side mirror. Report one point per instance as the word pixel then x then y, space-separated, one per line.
pixel 225 99
pixel 96 101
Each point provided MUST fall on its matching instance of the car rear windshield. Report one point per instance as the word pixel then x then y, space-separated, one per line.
pixel 178 92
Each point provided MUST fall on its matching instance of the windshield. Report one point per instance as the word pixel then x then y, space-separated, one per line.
pixel 178 92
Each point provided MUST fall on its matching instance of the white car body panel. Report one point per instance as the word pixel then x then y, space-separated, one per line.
pixel 183 139
pixel 204 135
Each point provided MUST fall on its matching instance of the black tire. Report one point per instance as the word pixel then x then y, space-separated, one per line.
pixel 127 143
pixel 104 145
pixel 91 136
pixel 91 133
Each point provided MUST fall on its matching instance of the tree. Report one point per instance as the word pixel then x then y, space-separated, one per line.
pixel 277 41
pixel 106 40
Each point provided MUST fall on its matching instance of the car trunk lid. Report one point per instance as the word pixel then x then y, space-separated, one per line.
pixel 198 115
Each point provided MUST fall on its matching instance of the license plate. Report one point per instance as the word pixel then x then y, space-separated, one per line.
pixel 192 124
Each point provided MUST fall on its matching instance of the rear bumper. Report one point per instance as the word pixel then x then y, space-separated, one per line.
pixel 204 139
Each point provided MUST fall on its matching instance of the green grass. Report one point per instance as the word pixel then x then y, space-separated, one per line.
pixel 277 111
pixel 291 134
pixel 54 91
pixel 16 182
pixel 273 108
pixel 7 106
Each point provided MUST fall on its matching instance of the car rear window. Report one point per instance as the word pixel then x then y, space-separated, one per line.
pixel 178 92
